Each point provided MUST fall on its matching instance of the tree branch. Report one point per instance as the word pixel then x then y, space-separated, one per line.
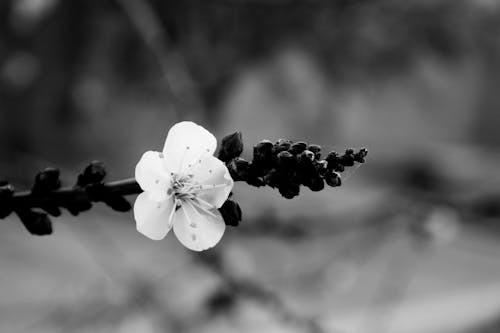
pixel 283 165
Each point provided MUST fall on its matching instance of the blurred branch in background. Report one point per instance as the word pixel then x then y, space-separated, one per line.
pixel 172 65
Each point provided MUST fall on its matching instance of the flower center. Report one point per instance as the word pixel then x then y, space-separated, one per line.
pixel 182 188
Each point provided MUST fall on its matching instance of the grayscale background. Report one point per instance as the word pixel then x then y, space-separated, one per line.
pixel 409 244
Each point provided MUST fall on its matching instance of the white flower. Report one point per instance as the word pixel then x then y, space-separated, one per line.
pixel 183 187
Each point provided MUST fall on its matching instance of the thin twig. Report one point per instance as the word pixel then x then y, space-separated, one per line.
pixel 29 199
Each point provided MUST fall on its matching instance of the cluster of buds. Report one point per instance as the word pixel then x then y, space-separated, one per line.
pixel 287 165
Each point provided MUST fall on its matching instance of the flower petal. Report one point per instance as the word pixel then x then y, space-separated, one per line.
pixel 213 175
pixel 152 174
pixel 186 143
pixel 198 229
pixel 153 218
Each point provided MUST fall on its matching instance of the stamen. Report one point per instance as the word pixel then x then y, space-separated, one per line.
pixel 210 187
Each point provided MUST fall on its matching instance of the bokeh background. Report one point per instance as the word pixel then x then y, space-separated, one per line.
pixel 409 243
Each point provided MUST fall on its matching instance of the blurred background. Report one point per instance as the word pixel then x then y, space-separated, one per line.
pixel 409 243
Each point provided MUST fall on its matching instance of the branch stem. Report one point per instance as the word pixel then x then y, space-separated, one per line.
pixel 28 199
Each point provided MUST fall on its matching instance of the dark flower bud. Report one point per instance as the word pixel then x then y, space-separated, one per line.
pixel 35 222
pixel 231 147
pixel 307 154
pixel 298 147
pixel 231 213
pixel 281 145
pixel 306 170
pixel 238 168
pixel 6 193
pixel 334 162
pixel 316 184
pixel 361 155
pixel 272 178
pixel 347 159
pixel 286 160
pixel 316 149
pixel 332 159
pixel 333 179
pixel 321 167
pixel 255 181
pixel 93 173
pixel 46 181
pixel 289 190
pixel 263 152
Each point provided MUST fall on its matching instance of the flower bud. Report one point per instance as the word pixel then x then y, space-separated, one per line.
pixel 231 147
pixel 361 155
pixel 316 184
pixel 238 168
pixel 272 178
pixel 316 149
pixel 231 213
pixel 298 147
pixel 333 179
pixel 6 193
pixel 348 158
pixel 281 145
pixel 36 223
pixel 332 159
pixel 321 167
pixel 286 160
pixel 92 174
pixel 289 190
pixel 263 152
pixel 255 181
pixel 46 181
pixel 307 154
pixel 334 162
